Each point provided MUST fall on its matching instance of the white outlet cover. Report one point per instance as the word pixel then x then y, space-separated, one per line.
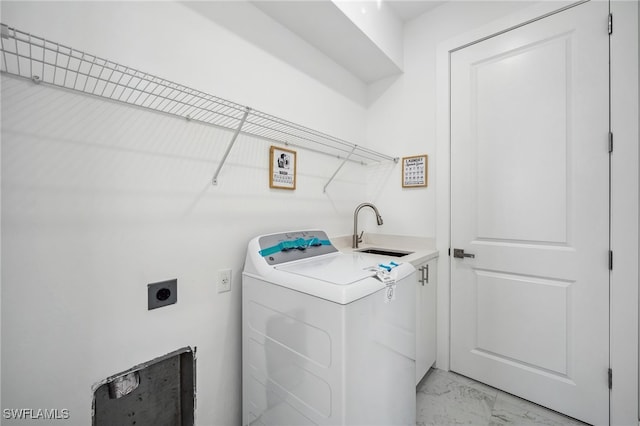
pixel 224 280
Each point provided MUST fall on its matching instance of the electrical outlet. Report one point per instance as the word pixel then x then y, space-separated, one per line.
pixel 224 280
pixel 162 294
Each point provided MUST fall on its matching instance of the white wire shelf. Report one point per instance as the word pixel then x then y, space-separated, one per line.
pixel 44 61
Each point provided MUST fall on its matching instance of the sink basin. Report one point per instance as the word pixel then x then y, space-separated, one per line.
pixel 385 252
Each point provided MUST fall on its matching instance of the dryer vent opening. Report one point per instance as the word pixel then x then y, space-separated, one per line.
pixel 158 392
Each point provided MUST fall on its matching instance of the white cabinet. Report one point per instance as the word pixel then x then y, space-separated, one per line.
pixel 425 317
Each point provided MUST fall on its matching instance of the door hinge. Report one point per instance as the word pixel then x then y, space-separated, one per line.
pixel 610 376
pixel 449 251
pixel 610 24
pixel 610 142
pixel 611 260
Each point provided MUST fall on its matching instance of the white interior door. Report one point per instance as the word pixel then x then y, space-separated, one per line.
pixel 530 199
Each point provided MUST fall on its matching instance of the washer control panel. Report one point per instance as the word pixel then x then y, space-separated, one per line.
pixel 296 245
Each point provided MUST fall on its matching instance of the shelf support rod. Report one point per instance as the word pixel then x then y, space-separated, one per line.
pixel 214 181
pixel 324 190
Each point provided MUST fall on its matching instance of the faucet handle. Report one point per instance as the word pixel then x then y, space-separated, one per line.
pixel 360 237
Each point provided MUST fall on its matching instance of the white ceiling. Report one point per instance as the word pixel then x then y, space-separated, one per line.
pixel 323 25
pixel 341 55
pixel 407 10
pixel 329 30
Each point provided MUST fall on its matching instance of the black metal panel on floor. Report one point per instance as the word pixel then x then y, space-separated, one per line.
pixel 160 392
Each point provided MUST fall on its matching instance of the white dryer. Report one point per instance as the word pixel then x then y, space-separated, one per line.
pixel 328 337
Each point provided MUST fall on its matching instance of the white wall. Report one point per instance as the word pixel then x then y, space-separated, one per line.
pixel 99 199
pixel 251 23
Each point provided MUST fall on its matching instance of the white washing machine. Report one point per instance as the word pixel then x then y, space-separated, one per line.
pixel 328 338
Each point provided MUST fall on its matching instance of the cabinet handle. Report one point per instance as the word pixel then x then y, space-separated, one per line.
pixel 424 271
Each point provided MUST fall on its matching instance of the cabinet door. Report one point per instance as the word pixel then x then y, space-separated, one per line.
pixel 425 318
pixel 430 289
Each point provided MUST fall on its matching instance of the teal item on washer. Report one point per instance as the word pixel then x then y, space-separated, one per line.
pixel 298 243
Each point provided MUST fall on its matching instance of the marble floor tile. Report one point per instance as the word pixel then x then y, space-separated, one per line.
pixel 445 398
pixel 511 410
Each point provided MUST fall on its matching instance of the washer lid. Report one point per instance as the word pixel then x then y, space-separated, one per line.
pixel 340 269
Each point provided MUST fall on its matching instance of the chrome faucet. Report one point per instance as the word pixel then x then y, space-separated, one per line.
pixel 357 239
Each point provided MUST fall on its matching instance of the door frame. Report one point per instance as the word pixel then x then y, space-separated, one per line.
pixel 625 188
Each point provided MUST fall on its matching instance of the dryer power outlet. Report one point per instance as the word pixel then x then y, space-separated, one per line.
pixel 162 293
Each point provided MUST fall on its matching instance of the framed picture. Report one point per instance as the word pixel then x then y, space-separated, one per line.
pixel 282 168
pixel 414 171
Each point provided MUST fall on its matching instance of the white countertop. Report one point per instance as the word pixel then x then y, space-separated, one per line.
pixel 423 248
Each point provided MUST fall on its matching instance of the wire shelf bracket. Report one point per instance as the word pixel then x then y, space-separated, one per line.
pixel 324 190
pixel 46 62
pixel 214 181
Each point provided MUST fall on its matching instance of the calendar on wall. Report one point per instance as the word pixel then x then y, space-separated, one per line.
pixel 414 171
pixel 282 168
